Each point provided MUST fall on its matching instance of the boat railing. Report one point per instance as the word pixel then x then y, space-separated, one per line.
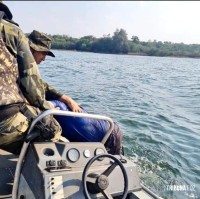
pixel 74 114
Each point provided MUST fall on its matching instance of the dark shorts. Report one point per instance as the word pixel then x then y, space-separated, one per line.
pixel 114 142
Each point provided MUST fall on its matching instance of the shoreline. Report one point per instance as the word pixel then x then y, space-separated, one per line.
pixel 136 54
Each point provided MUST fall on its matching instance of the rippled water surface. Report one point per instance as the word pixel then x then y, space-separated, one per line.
pixel 156 102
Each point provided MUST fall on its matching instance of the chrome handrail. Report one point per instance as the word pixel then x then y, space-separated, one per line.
pixel 74 114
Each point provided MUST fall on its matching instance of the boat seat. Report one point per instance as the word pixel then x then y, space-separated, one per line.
pixel 8 162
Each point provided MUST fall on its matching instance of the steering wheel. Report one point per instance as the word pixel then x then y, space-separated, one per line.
pixel 95 183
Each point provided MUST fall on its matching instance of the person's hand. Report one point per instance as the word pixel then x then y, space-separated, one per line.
pixel 56 108
pixel 74 106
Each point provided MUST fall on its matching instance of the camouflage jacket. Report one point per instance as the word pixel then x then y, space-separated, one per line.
pixel 51 93
pixel 28 77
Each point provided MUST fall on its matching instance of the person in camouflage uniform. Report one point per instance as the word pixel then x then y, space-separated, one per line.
pixel 40 45
pixel 20 82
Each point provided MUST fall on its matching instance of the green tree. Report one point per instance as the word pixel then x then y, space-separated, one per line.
pixel 120 41
pixel 103 45
pixel 135 39
pixel 85 43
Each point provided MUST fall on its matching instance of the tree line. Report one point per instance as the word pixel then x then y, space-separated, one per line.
pixel 120 44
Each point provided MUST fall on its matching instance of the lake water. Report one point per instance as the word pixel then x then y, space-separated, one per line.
pixel 156 102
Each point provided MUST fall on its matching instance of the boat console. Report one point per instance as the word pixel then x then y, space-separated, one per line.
pixel 58 170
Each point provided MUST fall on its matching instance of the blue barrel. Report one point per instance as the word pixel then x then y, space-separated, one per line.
pixel 77 129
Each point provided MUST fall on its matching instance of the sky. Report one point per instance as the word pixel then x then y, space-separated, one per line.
pixel 173 21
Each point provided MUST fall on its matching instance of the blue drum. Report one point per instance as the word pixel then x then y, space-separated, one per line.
pixel 77 129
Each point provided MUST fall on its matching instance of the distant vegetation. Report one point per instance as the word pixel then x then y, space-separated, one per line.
pixel 119 44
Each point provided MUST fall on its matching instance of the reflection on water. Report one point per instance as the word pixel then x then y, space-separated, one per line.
pixel 154 100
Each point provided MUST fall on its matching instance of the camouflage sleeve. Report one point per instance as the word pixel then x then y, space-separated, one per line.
pixel 51 93
pixel 30 80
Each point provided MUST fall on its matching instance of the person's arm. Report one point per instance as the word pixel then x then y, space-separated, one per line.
pixel 29 77
pixel 53 94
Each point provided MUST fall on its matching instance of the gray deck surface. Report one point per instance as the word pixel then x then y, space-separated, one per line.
pixel 7 168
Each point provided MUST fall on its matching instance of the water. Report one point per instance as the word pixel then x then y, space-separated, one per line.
pixel 156 102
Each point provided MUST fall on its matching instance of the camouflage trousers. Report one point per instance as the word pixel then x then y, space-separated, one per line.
pixel 14 129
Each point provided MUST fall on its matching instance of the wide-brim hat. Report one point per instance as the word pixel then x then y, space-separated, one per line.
pixel 4 8
pixel 40 42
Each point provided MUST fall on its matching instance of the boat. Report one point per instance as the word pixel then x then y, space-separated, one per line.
pixel 69 170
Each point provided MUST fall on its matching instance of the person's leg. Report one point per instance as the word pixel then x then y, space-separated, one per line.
pixel 114 142
pixel 14 130
pixel 12 133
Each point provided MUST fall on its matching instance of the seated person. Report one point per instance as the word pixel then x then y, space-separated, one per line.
pixel 20 79
pixel 94 130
